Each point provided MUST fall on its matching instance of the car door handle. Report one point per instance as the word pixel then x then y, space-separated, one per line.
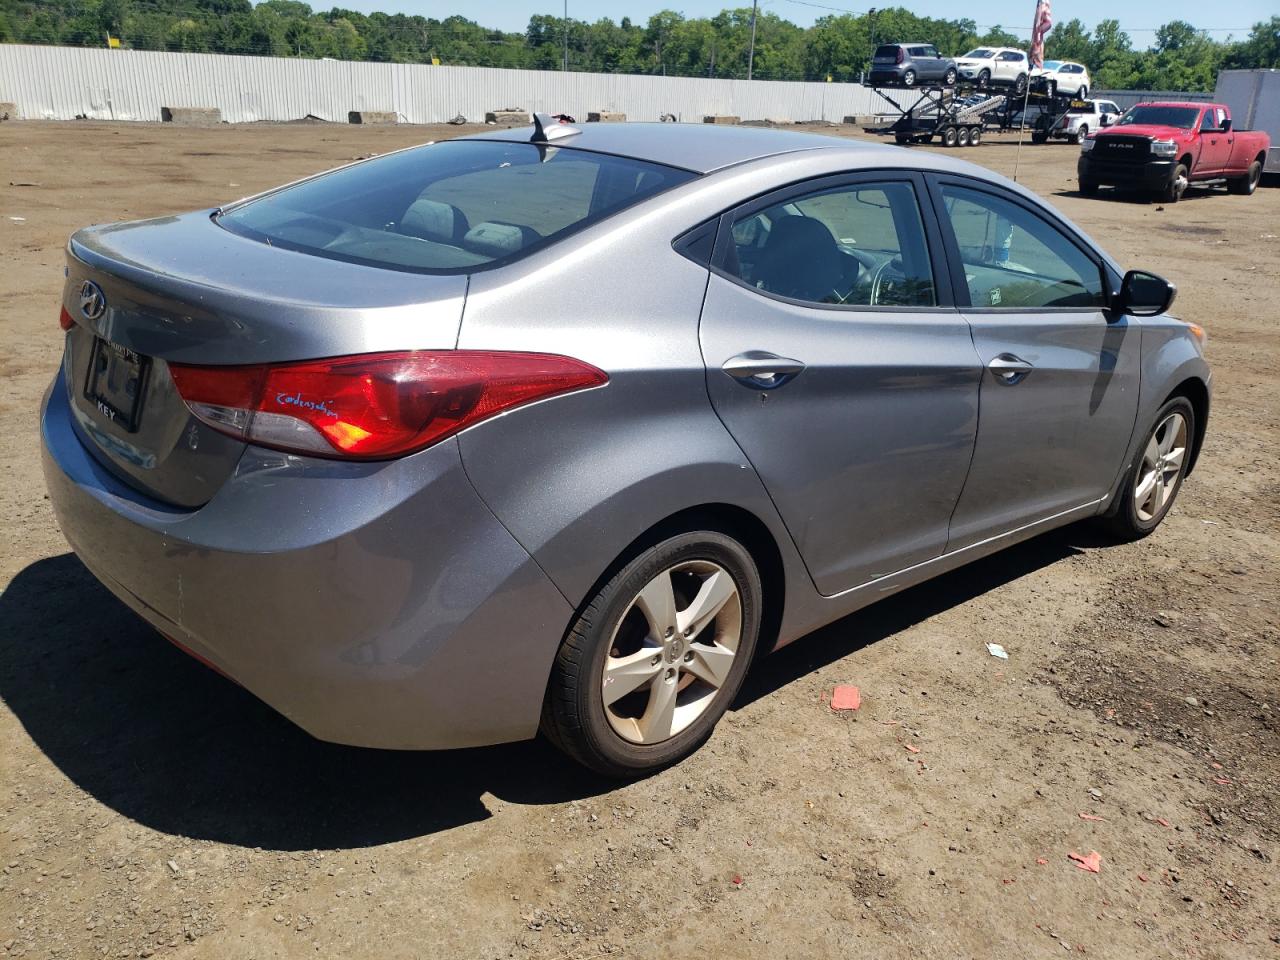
pixel 762 370
pixel 1010 369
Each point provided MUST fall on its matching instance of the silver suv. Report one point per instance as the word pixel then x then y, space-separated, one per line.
pixel 909 64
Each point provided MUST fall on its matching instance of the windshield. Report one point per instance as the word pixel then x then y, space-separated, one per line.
pixel 982 53
pixel 449 207
pixel 1184 117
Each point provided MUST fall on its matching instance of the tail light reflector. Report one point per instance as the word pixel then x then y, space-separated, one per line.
pixel 899 57
pixel 65 320
pixel 373 406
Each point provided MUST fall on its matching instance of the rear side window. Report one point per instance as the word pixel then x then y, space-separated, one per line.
pixel 856 245
pixel 450 207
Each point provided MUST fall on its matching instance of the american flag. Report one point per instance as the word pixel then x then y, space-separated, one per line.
pixel 1042 24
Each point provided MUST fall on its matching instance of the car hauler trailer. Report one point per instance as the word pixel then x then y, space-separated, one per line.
pixel 1253 97
pixel 957 115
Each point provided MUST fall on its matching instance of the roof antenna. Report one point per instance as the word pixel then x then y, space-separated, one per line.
pixel 547 128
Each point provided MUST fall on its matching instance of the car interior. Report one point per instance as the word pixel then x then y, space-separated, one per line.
pixel 475 203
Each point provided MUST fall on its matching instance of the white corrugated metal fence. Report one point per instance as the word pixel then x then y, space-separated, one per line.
pixel 62 83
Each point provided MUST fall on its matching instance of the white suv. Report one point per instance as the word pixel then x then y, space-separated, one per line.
pixel 992 66
pixel 1066 76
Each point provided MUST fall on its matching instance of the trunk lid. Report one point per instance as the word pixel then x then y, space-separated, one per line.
pixel 182 289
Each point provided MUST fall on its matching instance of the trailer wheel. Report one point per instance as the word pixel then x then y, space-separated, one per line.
pixel 949 137
pixel 1249 182
pixel 901 138
pixel 975 136
pixel 1039 136
pixel 962 137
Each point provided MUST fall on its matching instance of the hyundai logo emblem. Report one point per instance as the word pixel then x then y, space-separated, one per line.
pixel 92 302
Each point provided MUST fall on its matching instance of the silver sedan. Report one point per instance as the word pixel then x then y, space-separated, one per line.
pixel 559 428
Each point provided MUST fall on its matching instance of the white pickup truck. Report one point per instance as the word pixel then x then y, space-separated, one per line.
pixel 1082 118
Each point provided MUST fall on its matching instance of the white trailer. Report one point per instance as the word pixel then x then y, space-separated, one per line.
pixel 1253 96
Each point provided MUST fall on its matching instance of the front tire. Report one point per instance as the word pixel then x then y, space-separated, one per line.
pixel 984 79
pixel 1082 93
pixel 1152 482
pixel 1020 85
pixel 1246 185
pixel 656 656
pixel 1177 184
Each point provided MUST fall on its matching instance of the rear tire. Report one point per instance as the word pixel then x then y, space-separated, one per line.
pixel 1246 185
pixel 1152 482
pixel 909 78
pixel 1020 85
pixel 1080 134
pixel 984 79
pixel 648 727
pixel 1088 187
pixel 950 78
pixel 1082 93
pixel 975 136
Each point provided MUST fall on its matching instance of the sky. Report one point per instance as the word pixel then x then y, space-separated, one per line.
pixel 1139 20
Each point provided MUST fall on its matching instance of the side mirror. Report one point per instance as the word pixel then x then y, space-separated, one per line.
pixel 1226 124
pixel 1105 120
pixel 1145 294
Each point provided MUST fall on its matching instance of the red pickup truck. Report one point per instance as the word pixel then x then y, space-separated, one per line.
pixel 1164 147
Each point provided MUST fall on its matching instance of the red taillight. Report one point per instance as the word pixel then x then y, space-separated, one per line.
pixel 899 57
pixel 373 406
pixel 65 320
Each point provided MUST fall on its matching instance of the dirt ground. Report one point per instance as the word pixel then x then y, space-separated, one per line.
pixel 149 807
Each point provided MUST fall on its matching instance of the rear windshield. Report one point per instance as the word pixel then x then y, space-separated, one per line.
pixel 1184 117
pixel 450 207
pixel 890 51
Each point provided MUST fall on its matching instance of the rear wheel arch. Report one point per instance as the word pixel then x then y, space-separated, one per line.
pixel 1197 393
pixel 732 521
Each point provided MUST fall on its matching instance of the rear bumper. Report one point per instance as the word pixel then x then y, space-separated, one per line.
pixel 377 605
pixel 1147 175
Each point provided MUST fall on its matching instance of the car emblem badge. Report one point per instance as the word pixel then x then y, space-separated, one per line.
pixel 93 303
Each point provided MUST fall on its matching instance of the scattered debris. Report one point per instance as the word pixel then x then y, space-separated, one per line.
pixel 1163 822
pixel 1090 816
pixel 1041 860
pixel 1222 781
pixel 458 121
pixel 24 183
pixel 910 748
pixel 1091 862
pixel 737 881
pixel 1142 877
pixel 997 651
pixel 18 219
pixel 846 698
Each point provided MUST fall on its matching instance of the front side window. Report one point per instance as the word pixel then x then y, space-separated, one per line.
pixel 1015 259
pixel 450 207
pixel 854 245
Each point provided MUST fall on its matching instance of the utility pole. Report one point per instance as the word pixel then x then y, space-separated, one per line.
pixel 565 65
pixel 871 31
pixel 751 52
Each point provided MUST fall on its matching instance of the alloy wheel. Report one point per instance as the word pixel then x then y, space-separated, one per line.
pixel 1161 467
pixel 672 651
